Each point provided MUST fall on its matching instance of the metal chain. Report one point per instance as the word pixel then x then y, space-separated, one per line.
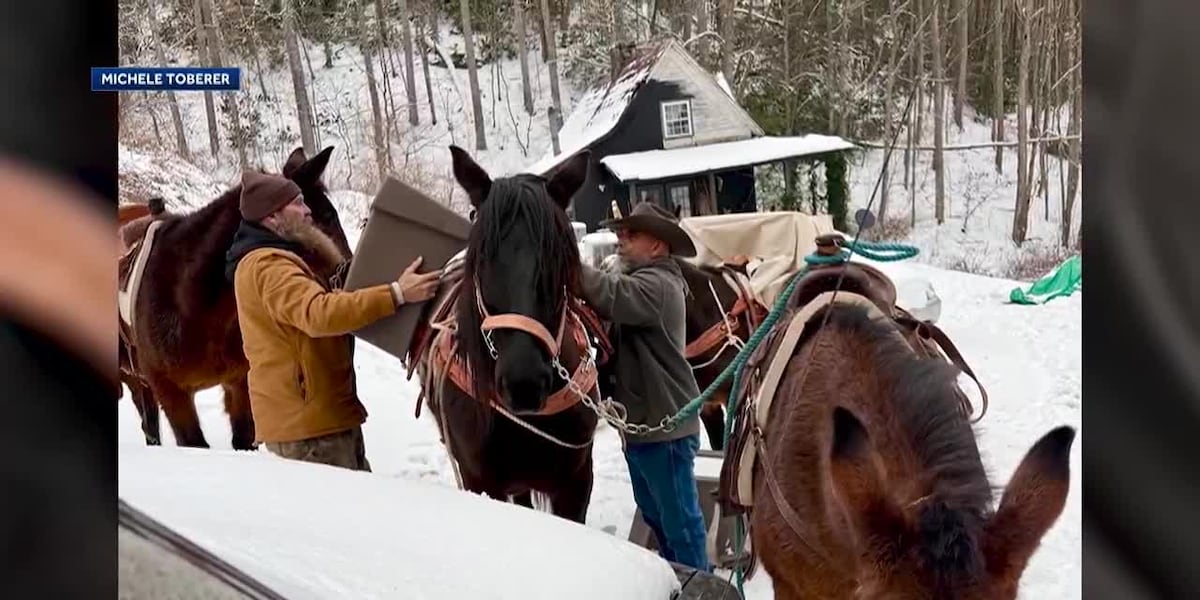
pixel 613 412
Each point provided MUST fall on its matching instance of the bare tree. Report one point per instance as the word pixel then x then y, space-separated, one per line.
pixel 726 16
pixel 893 37
pixel 181 143
pixel 214 134
pixel 473 75
pixel 939 113
pixel 998 115
pixel 961 43
pixel 382 155
pixel 385 44
pixel 410 77
pixel 523 53
pixel 1021 214
pixel 430 21
pixel 214 44
pixel 1068 203
pixel 556 102
pixel 303 108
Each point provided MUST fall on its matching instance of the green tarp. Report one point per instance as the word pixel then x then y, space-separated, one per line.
pixel 1063 281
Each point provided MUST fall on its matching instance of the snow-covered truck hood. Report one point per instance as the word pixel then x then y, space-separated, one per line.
pixel 311 531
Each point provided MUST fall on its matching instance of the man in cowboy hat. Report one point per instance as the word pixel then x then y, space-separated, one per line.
pixel 645 303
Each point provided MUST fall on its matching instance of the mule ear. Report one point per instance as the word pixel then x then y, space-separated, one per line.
pixel 858 481
pixel 293 162
pixel 568 177
pixel 473 179
pixel 1033 500
pixel 313 168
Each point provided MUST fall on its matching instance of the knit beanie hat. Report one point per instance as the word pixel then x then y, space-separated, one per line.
pixel 264 194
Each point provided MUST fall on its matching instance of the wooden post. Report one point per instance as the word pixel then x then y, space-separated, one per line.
pixel 713 197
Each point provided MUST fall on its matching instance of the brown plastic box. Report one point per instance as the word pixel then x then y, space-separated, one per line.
pixel 404 223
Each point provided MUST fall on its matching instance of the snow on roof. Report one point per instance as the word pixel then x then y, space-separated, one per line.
pixel 658 164
pixel 599 110
pixel 721 81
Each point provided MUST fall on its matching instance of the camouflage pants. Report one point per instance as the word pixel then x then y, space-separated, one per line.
pixel 343 449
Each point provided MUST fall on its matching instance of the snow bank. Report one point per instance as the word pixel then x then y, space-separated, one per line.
pixel 313 531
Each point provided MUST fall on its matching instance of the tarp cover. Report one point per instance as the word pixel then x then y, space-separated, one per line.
pixel 1064 280
pixel 777 243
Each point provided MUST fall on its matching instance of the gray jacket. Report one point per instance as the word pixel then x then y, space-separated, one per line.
pixel 646 306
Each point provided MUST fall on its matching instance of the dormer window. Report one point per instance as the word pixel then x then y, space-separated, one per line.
pixel 677 119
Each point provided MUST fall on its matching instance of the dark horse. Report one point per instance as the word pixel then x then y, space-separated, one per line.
pixel 186 335
pixel 523 262
pixel 872 486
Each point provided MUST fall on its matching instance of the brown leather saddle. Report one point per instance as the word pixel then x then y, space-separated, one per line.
pixel 926 339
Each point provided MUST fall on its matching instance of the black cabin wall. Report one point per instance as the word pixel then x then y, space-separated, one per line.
pixel 639 130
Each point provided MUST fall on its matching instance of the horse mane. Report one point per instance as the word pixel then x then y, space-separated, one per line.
pixel 925 410
pixel 519 201
pixel 200 232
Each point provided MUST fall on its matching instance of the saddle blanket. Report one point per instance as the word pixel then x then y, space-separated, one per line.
pixel 130 269
pixel 777 243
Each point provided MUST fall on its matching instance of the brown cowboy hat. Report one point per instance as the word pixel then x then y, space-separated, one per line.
pixel 652 219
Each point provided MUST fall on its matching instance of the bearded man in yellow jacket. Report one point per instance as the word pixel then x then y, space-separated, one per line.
pixel 296 329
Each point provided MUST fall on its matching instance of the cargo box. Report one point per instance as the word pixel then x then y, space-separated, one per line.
pixel 404 223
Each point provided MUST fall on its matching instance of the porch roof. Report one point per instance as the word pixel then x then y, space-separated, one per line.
pixel 694 160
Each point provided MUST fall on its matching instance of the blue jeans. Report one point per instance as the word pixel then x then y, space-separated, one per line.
pixel 664 488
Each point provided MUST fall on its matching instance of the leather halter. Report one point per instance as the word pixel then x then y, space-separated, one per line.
pixel 725 329
pixel 520 322
pixel 447 360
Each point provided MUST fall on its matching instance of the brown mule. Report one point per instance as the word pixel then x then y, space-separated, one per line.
pixel 869 482
pixel 185 337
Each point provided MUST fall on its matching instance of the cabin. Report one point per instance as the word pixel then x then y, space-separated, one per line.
pixel 664 129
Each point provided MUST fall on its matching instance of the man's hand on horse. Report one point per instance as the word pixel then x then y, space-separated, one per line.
pixel 417 287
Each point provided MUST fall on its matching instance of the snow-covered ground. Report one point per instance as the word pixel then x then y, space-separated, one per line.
pixel 1029 358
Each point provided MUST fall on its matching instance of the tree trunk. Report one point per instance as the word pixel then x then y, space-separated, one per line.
pixel 545 36
pixel 385 44
pixel 252 39
pixel 832 82
pixel 303 107
pixel 382 162
pixel 214 134
pixel 889 99
pixel 473 75
pixel 564 15
pixel 1048 106
pixel 700 9
pixel 555 99
pixel 181 143
pixel 939 113
pixel 523 53
pixel 410 76
pixel 998 115
pixel 230 99
pixel 726 9
pixel 960 97
pixel 919 107
pixel 1021 214
pixel 1075 126
pixel 431 22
